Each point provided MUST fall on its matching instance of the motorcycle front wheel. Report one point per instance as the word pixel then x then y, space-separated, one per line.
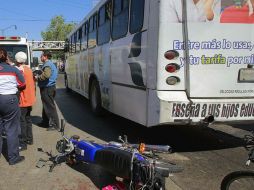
pixel 238 180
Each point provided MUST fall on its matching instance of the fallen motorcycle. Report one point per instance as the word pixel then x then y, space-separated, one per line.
pixel 137 164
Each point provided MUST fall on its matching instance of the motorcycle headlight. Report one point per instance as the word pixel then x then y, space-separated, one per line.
pixel 61 146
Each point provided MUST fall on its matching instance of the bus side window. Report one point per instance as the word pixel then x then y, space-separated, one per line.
pixel 71 46
pixel 120 19
pixel 136 15
pixel 84 36
pixel 79 36
pixel 92 31
pixel 104 23
pixel 75 42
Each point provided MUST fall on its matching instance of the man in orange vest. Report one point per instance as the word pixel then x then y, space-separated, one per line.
pixel 26 101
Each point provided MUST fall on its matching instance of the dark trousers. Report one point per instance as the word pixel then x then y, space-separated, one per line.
pixel 10 123
pixel 26 125
pixel 49 112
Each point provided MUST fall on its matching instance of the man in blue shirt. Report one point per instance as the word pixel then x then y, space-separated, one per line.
pixel 47 85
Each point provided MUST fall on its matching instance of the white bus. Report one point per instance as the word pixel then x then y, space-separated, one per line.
pixel 166 62
pixel 13 45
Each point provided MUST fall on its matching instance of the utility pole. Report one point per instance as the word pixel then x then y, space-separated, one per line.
pixel 2 30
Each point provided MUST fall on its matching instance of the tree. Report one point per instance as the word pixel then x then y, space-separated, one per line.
pixel 57 31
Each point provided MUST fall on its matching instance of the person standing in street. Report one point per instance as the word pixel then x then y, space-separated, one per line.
pixel 47 85
pixel 11 79
pixel 26 101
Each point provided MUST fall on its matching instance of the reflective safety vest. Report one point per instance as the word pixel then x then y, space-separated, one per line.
pixel 27 96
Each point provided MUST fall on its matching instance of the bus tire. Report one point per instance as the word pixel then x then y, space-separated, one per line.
pixel 66 85
pixel 95 98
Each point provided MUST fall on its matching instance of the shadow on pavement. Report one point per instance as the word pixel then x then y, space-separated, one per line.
pixel 4 149
pixel 246 126
pixel 76 111
pixel 36 120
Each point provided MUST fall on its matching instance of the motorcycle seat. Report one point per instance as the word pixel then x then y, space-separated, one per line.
pixel 116 161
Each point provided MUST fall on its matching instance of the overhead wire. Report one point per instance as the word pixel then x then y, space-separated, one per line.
pixel 32 18
pixel 36 20
pixel 66 4
pixel 17 13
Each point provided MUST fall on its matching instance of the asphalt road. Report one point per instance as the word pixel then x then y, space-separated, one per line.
pixel 207 154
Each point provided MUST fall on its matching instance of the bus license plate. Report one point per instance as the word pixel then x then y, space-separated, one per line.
pixel 246 75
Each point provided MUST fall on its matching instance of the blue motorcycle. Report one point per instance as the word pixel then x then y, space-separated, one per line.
pixel 137 164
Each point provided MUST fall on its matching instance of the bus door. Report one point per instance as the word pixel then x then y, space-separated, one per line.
pixel 128 58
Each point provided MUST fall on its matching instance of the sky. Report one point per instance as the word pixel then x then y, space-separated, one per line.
pixel 31 17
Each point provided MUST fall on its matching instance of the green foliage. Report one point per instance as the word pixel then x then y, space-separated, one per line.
pixel 57 31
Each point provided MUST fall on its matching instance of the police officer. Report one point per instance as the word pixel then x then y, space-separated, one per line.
pixel 11 79
pixel 47 84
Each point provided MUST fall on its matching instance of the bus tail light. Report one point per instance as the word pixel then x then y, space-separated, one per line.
pixel 172 80
pixel 171 54
pixel 172 67
pixel 12 38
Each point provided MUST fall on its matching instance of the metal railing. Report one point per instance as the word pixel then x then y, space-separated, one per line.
pixel 47 45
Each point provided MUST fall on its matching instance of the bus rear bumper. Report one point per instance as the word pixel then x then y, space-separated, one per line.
pixel 173 107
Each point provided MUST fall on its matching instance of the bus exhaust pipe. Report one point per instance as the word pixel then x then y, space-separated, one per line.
pixel 208 119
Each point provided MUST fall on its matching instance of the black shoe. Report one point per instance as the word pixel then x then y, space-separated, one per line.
pixel 3 134
pixel 21 148
pixel 29 142
pixel 17 160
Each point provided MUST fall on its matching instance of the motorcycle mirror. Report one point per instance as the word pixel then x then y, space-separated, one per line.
pixel 125 138
pixel 120 139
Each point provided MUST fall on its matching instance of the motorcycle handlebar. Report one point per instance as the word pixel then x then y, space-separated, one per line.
pixel 155 148
pixel 148 147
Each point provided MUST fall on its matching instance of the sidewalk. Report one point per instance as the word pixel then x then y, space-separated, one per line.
pixel 26 176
